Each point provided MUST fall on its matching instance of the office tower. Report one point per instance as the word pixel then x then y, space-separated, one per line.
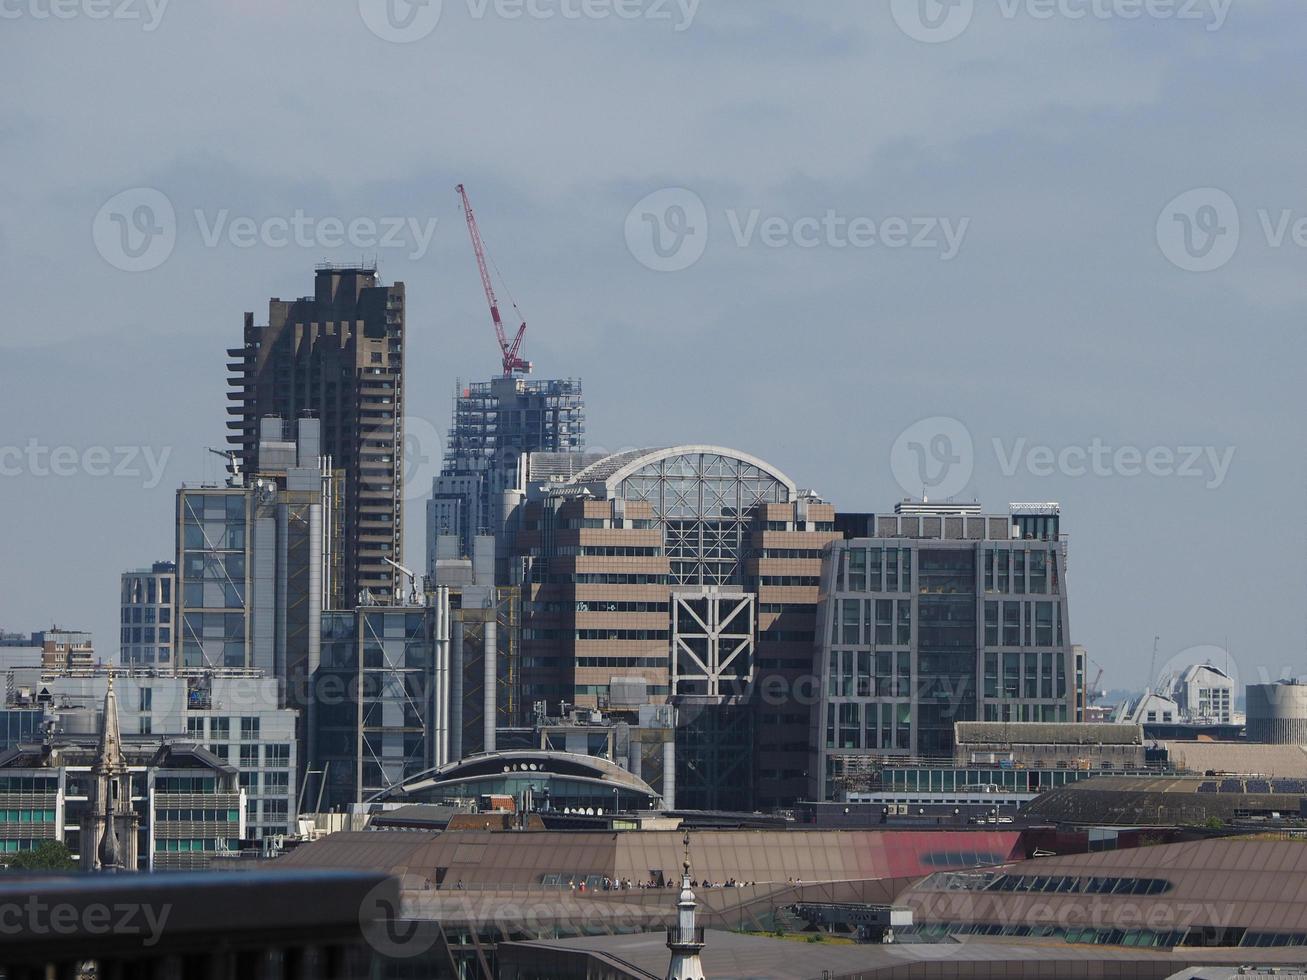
pixel 946 614
pixel 254 560
pixel 708 552
pixel 496 424
pixel 338 356
pixel 379 712
pixel 147 626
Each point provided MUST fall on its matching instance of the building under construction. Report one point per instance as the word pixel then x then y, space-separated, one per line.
pixel 496 425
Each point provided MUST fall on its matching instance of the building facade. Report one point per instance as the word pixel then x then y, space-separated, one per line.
pixel 235 715
pixel 337 356
pixel 119 801
pixel 379 713
pixel 945 615
pixel 147 605
pixel 687 575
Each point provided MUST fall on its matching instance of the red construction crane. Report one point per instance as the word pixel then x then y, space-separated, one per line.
pixel 512 362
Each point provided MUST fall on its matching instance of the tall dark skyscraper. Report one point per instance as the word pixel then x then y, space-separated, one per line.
pixel 338 356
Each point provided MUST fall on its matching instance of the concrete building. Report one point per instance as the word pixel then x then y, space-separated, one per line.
pixel 236 715
pixel 147 627
pixel 119 801
pixel 1277 713
pixel 337 356
pixel 497 425
pixel 687 575
pixel 945 615
pixel 1204 693
pixel 62 649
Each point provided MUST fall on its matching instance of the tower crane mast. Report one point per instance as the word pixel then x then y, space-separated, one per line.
pixel 513 362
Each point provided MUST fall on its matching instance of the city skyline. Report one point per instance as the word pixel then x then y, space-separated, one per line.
pixel 751 343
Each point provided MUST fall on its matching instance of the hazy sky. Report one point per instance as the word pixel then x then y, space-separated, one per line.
pixel 1022 250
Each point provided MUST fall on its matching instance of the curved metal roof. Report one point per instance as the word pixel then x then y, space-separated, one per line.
pixel 612 470
pixel 489 765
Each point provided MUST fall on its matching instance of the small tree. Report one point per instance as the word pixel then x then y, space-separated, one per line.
pixel 49 855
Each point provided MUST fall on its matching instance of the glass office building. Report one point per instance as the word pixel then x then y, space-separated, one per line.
pixel 944 615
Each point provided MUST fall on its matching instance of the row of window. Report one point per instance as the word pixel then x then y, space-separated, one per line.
pixel 660 662
pixel 221 728
pixel 1023 624
pixel 187 846
pixel 146 614
pixel 197 814
pixel 29 784
pixel 616 634
pixel 887 726
pixel 875 570
pixel 1072 934
pixel 863 674
pixel 146 635
pixel 1066 884
pixel 1025 675
pixel 789 580
pixel 26 816
pixel 607 551
pixel 184 784
pixel 1020 570
pixel 137 591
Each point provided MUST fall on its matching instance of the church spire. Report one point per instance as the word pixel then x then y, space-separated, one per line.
pixel 110 770
pixel 684 939
pixel 109 759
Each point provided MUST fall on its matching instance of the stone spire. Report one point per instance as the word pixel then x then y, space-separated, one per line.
pixel 111 781
pixel 683 939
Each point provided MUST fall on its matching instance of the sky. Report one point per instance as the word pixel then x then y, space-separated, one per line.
pixel 1005 250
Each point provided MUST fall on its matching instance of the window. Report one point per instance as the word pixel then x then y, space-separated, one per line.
pixel 249 729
